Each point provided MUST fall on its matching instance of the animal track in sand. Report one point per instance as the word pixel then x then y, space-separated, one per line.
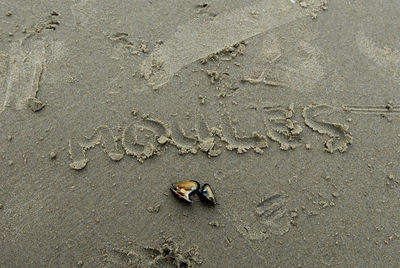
pixel 169 254
pixel 269 217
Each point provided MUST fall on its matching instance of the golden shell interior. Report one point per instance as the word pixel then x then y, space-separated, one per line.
pixel 184 189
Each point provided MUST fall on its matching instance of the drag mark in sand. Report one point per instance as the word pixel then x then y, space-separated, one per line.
pixel 24 71
pixel 198 38
pixel 4 60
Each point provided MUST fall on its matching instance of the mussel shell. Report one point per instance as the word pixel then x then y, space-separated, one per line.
pixel 207 195
pixel 184 189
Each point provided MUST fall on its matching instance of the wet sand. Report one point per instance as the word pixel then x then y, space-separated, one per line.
pixel 288 109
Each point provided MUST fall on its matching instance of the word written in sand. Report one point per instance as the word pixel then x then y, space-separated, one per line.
pixel 146 137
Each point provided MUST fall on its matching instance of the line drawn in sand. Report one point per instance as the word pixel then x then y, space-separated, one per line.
pixel 214 35
pixel 299 65
pixel 24 70
pixel 262 79
pixel 373 109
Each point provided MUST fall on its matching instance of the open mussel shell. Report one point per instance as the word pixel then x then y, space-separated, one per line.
pixel 184 189
pixel 207 195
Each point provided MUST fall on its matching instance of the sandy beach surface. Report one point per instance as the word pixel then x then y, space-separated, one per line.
pixel 288 109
